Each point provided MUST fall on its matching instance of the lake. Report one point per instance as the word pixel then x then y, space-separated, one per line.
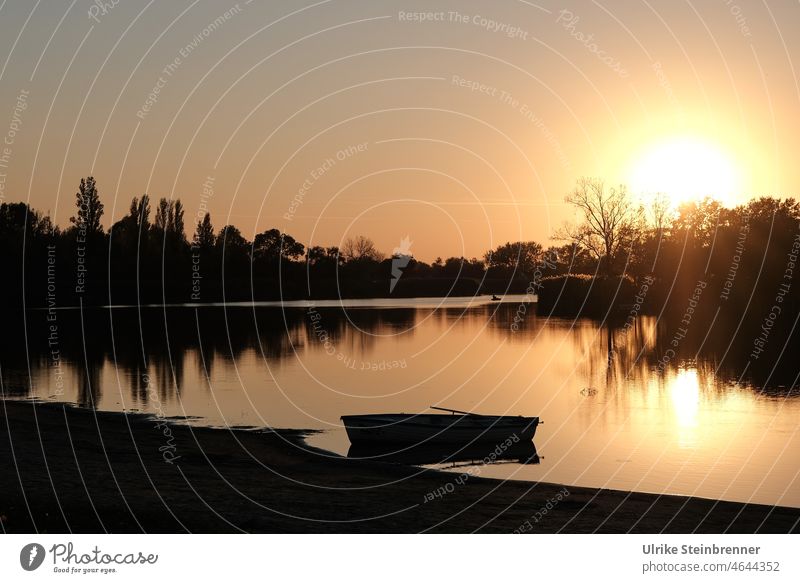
pixel 612 418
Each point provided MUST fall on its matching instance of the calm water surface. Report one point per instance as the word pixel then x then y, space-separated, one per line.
pixel 612 420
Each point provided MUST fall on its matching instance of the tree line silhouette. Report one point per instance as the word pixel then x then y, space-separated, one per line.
pixel 723 282
pixel 621 260
pixel 146 256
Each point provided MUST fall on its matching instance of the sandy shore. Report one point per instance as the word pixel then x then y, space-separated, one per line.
pixel 66 469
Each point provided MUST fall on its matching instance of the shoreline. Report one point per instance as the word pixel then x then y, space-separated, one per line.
pixel 384 302
pixel 77 470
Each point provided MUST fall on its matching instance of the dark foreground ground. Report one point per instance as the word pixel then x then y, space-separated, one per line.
pixel 64 469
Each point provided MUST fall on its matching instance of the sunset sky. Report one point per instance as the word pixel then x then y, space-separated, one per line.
pixel 330 119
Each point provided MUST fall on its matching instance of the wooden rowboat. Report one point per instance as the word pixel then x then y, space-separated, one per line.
pixel 457 428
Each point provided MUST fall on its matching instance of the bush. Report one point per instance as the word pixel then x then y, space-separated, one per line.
pixel 583 295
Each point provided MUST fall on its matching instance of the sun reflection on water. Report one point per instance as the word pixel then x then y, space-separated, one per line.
pixel 685 395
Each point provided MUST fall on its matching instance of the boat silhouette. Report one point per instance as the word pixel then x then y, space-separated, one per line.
pixel 461 427
pixel 427 438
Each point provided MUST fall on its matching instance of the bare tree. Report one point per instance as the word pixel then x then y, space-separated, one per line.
pixel 660 212
pixel 611 223
pixel 358 248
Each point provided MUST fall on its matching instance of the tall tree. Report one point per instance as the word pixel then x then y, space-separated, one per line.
pixel 660 213
pixel 164 215
pixel 611 222
pixel 177 225
pixel 90 209
pixel 204 234
pixel 140 212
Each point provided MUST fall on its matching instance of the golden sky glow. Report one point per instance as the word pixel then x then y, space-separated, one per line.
pixel 462 130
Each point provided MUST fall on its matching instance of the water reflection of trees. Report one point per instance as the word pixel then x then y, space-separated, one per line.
pixel 355 331
pixel 87 374
pixel 149 348
pixel 643 349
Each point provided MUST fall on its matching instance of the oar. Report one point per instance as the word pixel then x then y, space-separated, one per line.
pixel 454 411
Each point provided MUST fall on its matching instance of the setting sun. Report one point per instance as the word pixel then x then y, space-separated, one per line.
pixel 686 169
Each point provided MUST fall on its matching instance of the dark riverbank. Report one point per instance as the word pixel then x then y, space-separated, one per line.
pixel 68 469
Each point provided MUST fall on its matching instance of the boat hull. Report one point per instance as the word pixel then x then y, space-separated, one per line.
pixel 435 429
pixel 523 452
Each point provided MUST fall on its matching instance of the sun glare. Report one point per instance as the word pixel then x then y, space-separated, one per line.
pixel 686 169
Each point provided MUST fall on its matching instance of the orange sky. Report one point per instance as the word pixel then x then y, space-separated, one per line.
pixel 330 119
